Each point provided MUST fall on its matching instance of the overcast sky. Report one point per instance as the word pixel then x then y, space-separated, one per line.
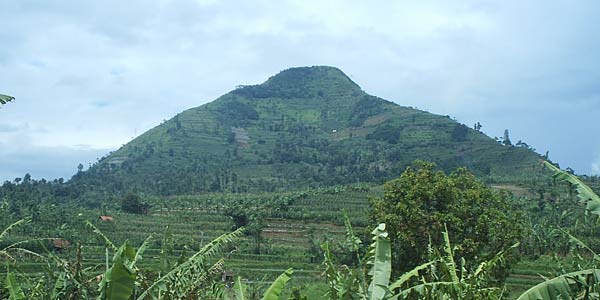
pixel 90 75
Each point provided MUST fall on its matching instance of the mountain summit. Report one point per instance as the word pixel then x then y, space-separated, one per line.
pixel 306 82
pixel 307 126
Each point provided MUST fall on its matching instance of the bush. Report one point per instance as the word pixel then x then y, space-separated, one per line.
pixel 132 203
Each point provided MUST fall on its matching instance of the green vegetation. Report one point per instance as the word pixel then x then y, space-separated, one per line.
pixel 132 203
pixel 266 193
pixel 304 127
pixel 423 202
pixel 290 247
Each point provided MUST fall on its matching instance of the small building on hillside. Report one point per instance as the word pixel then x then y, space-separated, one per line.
pixel 106 219
pixel 60 244
pixel 227 276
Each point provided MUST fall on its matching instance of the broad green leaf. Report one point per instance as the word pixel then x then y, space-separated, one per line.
pixel 240 289
pixel 118 282
pixel 140 251
pixel 121 284
pixel 408 275
pixel 450 290
pixel 10 227
pixel 380 260
pixel 353 241
pixel 585 194
pixel 14 289
pixel 488 265
pixel 274 291
pixel 581 244
pixel 449 257
pixel 59 286
pixel 562 287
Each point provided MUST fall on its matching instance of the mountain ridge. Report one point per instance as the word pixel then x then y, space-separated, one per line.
pixel 305 126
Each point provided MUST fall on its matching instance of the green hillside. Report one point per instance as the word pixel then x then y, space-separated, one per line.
pixel 304 127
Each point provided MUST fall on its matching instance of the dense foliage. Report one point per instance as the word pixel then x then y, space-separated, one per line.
pixel 312 207
pixel 422 201
pixel 132 203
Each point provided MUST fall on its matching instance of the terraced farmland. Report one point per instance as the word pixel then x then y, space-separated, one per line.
pixel 189 222
pixel 288 235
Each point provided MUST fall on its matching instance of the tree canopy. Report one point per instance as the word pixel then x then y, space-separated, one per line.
pixel 132 203
pixel 417 205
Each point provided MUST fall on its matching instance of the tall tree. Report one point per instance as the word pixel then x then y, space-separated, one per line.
pixel 418 204
pixel 506 140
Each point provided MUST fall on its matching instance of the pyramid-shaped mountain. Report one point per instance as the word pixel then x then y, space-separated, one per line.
pixel 308 126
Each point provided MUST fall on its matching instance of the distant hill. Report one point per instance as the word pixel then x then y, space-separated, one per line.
pixel 308 126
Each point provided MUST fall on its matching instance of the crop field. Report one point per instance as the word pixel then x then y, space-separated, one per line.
pixel 290 237
pixel 189 222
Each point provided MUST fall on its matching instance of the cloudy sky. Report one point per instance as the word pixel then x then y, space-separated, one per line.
pixel 90 75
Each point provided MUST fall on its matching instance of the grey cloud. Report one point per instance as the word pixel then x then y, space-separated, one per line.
pixel 110 69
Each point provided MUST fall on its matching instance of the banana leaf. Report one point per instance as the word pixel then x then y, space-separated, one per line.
pixel 240 289
pixel 5 99
pixel 380 260
pixel 567 286
pixel 274 291
pixel 585 194
pixel 14 289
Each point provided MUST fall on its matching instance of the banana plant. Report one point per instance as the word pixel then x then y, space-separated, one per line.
pixel 454 282
pixel 15 291
pixel 585 194
pixel 347 284
pixel 124 280
pixel 583 284
pixel 273 292
pixel 14 286
pixel 7 251
pixel 580 285
pixel 5 99
pixel 118 282
pixel 185 278
pixel 379 258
